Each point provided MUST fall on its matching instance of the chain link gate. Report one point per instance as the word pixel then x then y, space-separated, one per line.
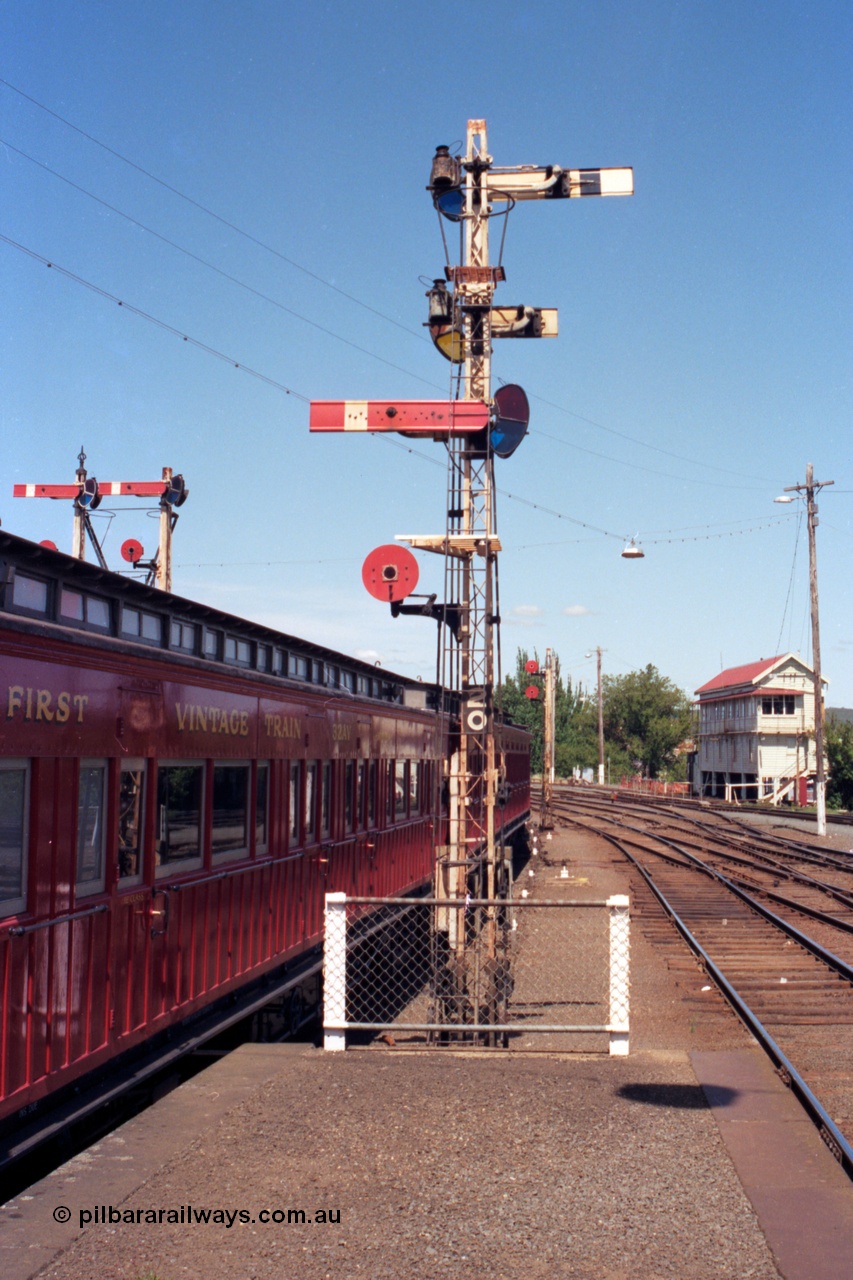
pixel 491 972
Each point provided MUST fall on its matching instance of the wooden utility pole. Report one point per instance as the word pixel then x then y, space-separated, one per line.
pixel 810 488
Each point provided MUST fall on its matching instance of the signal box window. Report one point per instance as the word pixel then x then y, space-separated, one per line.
pixel 91 804
pixel 14 794
pixel 131 808
pixel 180 790
pixel 29 593
pixel 230 832
pixel 262 808
pixel 781 704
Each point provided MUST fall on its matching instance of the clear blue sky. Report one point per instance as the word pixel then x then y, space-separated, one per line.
pixel 704 355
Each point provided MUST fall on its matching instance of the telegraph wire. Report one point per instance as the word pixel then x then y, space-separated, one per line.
pixel 351 297
pixel 247 235
pixel 791 579
pixel 161 324
pixel 280 386
pixel 211 266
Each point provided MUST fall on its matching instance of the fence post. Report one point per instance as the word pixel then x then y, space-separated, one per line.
pixel 620 972
pixel 335 973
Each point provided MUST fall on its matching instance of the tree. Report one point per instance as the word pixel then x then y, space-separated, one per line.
pixel 839 750
pixel 647 716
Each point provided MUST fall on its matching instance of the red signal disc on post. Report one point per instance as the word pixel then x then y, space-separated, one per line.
pixel 51 546
pixel 531 692
pixel 531 666
pixel 132 551
pixel 390 573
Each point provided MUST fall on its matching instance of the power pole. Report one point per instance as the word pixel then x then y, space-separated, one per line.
pixel 811 487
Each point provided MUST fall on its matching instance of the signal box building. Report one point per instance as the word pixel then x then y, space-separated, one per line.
pixel 756 733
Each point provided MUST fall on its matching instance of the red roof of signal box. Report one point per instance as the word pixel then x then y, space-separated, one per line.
pixel 747 674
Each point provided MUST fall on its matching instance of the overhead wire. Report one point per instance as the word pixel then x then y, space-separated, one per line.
pixel 351 297
pixel 232 226
pixel 280 386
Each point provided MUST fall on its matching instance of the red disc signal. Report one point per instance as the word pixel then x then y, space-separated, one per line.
pixel 51 546
pixel 531 692
pixel 132 551
pixel 531 666
pixel 390 573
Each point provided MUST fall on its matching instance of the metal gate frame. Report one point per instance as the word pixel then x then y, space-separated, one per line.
pixel 335 955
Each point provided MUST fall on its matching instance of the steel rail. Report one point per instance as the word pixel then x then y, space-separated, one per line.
pixel 829 1131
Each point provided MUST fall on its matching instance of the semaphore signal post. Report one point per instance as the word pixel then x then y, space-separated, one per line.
pixel 475 427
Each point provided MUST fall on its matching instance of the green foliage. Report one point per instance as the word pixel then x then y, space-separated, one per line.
pixel 575 727
pixel 839 752
pixel 647 716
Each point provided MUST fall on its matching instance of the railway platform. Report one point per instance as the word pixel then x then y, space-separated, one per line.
pixel 688 1158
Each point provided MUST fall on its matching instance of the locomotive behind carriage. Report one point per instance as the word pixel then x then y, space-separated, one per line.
pixel 179 788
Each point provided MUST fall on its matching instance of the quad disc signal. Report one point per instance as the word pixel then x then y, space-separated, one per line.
pixel 390 573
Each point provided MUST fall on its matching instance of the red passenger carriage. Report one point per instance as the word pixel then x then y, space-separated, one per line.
pixel 178 790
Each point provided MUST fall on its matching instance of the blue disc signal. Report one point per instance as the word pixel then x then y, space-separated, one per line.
pixel 511 416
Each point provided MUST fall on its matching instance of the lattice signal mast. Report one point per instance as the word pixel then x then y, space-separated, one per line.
pixel 475 427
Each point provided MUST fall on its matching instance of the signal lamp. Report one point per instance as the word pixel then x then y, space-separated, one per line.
pixel 89 497
pixel 176 492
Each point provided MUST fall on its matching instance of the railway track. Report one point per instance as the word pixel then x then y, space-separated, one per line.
pixel 769 919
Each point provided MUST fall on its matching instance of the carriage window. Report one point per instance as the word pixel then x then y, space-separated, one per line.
pixel 29 593
pixel 400 789
pixel 13 835
pixel 97 612
pixel 310 825
pixel 326 799
pixel 180 788
pixel 415 787
pixel 262 808
pixel 230 832
pixel 183 636
pixel 361 785
pixel 348 681
pixel 71 605
pixel 91 799
pixel 372 776
pixel 263 662
pixel 295 794
pixel 145 626
pixel 297 667
pixel 131 801
pixel 349 796
pixel 211 644
pixel 279 662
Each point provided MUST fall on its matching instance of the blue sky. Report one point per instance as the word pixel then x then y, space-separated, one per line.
pixel 704 355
